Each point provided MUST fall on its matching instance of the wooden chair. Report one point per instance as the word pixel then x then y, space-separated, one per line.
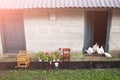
pixel 66 54
pixel 23 59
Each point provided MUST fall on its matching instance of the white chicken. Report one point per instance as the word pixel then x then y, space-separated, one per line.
pixel 95 47
pixel 98 50
pixel 102 50
pixel 90 50
pixel 107 54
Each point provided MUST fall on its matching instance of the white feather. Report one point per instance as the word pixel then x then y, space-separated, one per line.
pixel 98 50
pixel 102 50
pixel 95 47
pixel 90 50
pixel 107 54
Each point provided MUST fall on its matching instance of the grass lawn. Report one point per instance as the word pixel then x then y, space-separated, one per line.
pixel 85 74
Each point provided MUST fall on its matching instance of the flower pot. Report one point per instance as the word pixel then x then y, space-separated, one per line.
pixel 56 64
pixel 40 60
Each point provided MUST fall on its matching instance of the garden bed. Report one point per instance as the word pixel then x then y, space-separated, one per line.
pixel 77 61
pixel 65 65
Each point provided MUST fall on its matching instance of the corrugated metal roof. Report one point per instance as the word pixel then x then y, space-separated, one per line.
pixel 25 4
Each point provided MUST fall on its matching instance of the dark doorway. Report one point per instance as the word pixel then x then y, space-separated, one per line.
pixel 96 23
pixel 13 29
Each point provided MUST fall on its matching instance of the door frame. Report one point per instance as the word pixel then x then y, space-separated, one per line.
pixel 107 33
pixel 2 13
pixel 85 28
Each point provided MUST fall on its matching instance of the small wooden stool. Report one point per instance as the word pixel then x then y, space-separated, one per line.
pixel 23 59
pixel 66 54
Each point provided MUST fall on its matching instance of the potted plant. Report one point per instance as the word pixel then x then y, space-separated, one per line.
pixel 40 56
pixel 57 58
pixel 57 55
pixel 50 57
pixel 56 65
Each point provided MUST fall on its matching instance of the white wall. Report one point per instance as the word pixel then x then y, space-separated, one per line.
pixel 1 47
pixel 115 31
pixel 67 30
pixel 43 34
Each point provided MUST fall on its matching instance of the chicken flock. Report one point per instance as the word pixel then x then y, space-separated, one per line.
pixel 98 50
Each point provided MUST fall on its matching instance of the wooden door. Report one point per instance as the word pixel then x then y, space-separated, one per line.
pixel 13 32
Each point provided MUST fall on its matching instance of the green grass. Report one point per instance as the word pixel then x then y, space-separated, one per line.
pixel 95 74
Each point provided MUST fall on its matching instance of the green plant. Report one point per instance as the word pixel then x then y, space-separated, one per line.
pixel 54 56
pixel 46 57
pixel 40 55
pixel 51 56
pixel 58 55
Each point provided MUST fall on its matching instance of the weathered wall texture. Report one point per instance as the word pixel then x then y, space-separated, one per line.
pixel 114 42
pixel 65 29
